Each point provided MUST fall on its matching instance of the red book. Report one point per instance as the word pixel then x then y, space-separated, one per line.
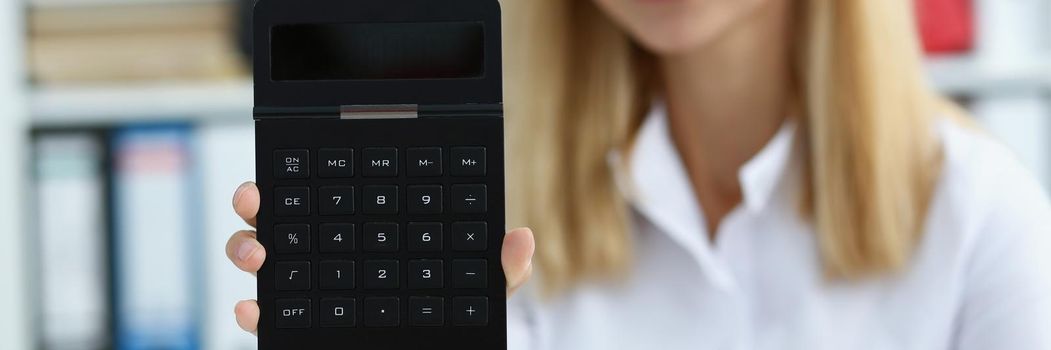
pixel 946 26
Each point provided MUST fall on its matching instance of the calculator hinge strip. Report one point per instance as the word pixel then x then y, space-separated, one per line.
pixel 403 111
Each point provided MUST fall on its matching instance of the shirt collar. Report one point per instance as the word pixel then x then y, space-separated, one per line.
pixel 654 176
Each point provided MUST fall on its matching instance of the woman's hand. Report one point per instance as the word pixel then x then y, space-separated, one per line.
pixel 246 252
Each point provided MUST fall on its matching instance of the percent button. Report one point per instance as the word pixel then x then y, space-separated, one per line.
pixel 292 238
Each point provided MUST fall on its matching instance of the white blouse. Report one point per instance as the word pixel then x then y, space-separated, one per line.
pixel 980 279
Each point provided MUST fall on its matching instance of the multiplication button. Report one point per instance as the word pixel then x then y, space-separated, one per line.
pixel 292 164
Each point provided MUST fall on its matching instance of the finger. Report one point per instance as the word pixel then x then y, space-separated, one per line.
pixel 247 313
pixel 517 257
pixel 245 251
pixel 246 202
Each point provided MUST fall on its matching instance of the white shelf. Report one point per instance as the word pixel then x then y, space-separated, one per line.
pixel 967 75
pixel 76 3
pixel 156 101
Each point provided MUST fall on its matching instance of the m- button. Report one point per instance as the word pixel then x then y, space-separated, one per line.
pixel 424 161
pixel 292 164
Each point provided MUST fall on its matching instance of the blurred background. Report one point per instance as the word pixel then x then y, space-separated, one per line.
pixel 126 125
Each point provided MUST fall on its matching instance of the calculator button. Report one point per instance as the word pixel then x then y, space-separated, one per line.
pixel 425 199
pixel 335 163
pixel 336 238
pixel 469 199
pixel 381 274
pixel 427 311
pixel 292 164
pixel 469 274
pixel 425 236
pixel 470 236
pixel 292 201
pixel 425 274
pixel 470 311
pixel 381 237
pixel 423 162
pixel 382 312
pixel 292 238
pixel 292 313
pixel 380 162
pixel 380 199
pixel 337 312
pixel 336 200
pixel 468 161
pixel 293 275
pixel 336 275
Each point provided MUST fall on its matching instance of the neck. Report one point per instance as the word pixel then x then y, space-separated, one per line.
pixel 725 102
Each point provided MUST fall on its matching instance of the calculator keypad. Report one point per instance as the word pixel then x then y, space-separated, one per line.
pixel 376 243
pixel 381 234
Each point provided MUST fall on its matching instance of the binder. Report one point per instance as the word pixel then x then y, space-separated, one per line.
pixel 156 239
pixel 71 241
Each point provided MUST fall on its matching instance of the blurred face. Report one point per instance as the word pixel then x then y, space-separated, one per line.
pixel 668 27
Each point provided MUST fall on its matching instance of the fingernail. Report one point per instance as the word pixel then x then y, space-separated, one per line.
pixel 239 191
pixel 246 250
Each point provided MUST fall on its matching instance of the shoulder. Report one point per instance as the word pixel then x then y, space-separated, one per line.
pixel 990 205
pixel 983 180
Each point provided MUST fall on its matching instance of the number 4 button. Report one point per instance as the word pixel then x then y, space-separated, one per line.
pixel 336 238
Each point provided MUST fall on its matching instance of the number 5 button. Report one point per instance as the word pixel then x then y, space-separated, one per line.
pixel 336 200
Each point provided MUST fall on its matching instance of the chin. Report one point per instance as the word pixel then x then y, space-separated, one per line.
pixel 675 40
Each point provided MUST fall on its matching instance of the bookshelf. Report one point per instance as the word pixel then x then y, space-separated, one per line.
pixel 117 103
pixel 15 330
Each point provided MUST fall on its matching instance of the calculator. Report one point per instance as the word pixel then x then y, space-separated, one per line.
pixel 379 160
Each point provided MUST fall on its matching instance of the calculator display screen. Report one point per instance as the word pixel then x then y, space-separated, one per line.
pixel 377 51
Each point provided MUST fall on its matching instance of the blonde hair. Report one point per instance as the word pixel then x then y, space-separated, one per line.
pixel 578 89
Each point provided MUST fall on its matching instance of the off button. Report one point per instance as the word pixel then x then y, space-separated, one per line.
pixel 292 164
pixel 292 313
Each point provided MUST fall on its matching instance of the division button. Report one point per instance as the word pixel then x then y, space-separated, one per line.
pixel 469 199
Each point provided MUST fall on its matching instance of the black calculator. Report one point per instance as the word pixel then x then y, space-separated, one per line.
pixel 379 154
